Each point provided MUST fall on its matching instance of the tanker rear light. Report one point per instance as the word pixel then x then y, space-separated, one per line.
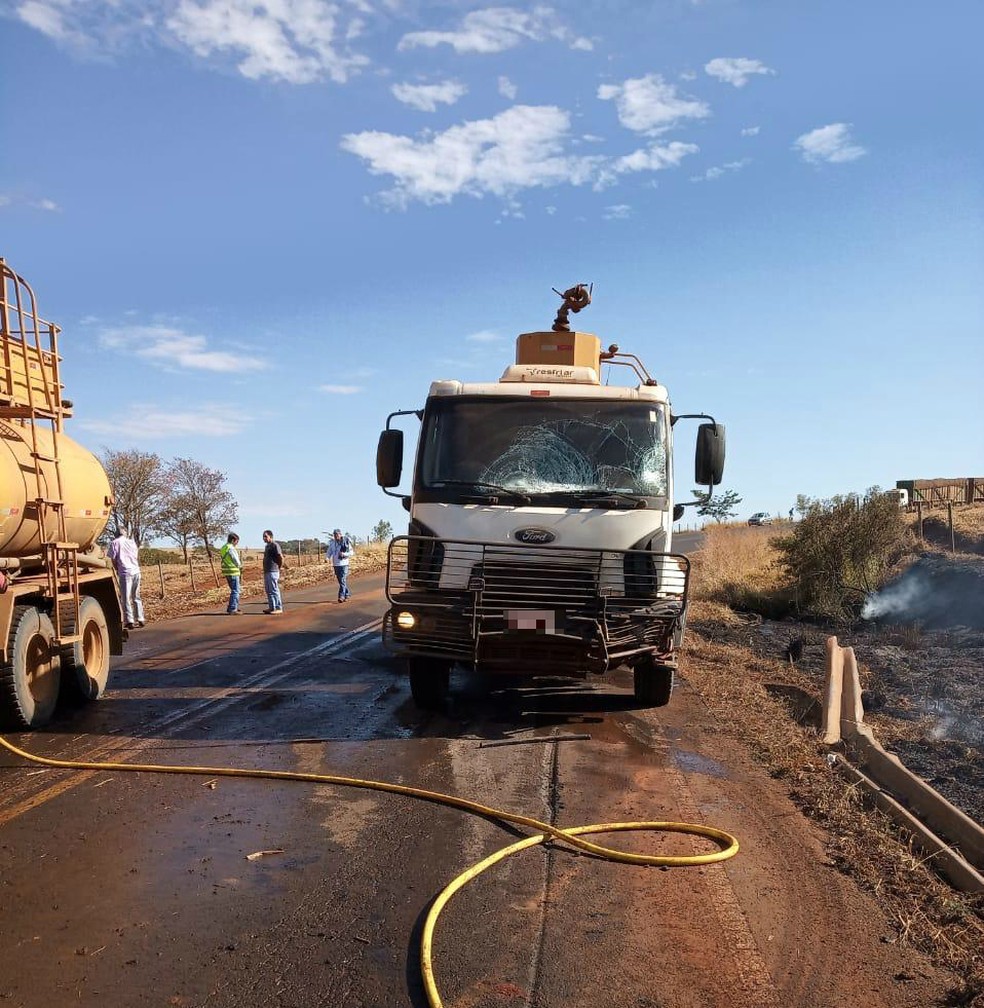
pixel 539 392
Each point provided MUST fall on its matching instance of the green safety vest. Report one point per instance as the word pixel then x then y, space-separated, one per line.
pixel 230 560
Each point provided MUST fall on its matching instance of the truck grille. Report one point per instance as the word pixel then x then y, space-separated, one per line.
pixel 491 602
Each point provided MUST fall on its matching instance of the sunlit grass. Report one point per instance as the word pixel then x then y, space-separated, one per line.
pixel 738 566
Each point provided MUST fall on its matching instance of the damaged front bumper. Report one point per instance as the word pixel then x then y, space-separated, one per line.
pixel 532 609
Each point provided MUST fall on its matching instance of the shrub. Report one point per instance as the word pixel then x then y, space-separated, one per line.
pixel 841 550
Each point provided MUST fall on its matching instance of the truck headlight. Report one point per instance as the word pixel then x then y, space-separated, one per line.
pixel 406 620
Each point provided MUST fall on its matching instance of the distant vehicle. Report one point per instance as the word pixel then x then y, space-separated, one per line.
pixel 760 518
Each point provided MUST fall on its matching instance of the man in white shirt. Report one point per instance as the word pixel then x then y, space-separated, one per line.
pixel 339 552
pixel 123 553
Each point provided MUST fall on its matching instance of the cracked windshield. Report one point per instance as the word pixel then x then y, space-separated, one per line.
pixel 538 447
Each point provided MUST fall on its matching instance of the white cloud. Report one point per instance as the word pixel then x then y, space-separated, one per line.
pixel 485 336
pixel 35 204
pixel 297 41
pixel 652 158
pixel 426 97
pixel 340 389
pixel 145 422
pixel 517 149
pixel 717 171
pixel 620 211
pixel 751 131
pixel 508 89
pixel 521 148
pixel 736 70
pixel 496 29
pixel 45 18
pixel 174 348
pixel 830 143
pixel 650 105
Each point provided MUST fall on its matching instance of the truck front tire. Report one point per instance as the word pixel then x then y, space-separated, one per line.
pixel 652 682
pixel 29 684
pixel 430 679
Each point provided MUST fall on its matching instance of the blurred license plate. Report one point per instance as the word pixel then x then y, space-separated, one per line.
pixel 542 621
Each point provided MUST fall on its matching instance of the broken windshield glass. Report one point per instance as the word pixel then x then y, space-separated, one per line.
pixel 546 446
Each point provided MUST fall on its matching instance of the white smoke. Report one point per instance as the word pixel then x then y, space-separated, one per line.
pixel 899 599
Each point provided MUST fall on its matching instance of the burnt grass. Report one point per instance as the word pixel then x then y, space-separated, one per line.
pixel 923 693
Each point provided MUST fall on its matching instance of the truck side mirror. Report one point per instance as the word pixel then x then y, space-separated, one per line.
pixel 678 511
pixel 709 460
pixel 389 458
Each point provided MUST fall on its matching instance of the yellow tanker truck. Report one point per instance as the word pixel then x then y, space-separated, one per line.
pixel 60 613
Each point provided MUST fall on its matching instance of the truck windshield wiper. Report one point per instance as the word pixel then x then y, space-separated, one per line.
pixel 494 488
pixel 599 495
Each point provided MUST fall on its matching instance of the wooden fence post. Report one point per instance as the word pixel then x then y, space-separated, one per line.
pixel 160 571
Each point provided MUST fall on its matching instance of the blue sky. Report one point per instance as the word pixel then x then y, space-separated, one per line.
pixel 265 225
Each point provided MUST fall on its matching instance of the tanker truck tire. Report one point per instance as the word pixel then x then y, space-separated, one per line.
pixel 430 679
pixel 85 664
pixel 29 685
pixel 652 682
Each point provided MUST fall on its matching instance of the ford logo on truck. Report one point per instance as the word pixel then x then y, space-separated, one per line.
pixel 534 536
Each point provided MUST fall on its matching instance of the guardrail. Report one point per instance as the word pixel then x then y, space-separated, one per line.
pixel 952 840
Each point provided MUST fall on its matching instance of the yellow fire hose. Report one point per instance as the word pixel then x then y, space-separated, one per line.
pixel 544 831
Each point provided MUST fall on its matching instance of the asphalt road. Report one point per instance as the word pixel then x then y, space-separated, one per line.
pixel 127 889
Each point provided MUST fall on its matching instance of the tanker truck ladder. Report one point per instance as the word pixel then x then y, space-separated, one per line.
pixel 30 385
pixel 31 394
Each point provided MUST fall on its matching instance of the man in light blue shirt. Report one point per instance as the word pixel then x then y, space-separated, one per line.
pixel 126 559
pixel 339 552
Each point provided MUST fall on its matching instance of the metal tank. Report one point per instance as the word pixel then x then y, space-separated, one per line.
pixel 79 480
pixel 60 611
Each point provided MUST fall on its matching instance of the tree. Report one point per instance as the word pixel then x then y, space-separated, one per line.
pixel 721 506
pixel 140 483
pixel 175 521
pixel 199 494
pixel 381 531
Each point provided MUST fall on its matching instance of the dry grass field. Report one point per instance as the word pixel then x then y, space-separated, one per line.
pixel 968 528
